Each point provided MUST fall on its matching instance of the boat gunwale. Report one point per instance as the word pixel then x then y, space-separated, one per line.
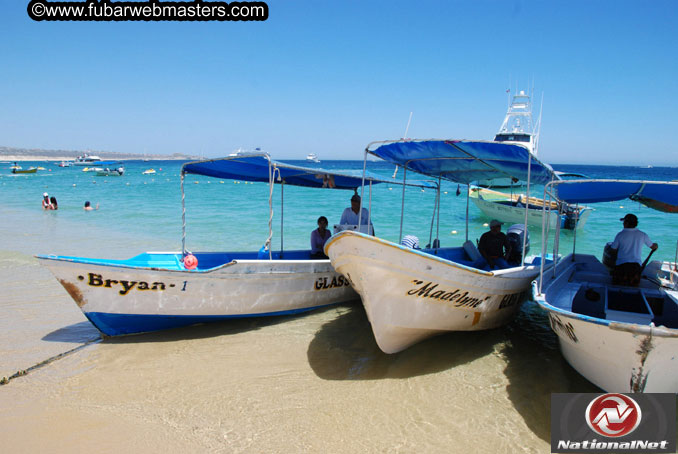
pixel 232 263
pixel 634 328
pixel 505 273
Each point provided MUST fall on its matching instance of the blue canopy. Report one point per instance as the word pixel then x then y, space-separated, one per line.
pixel 464 161
pixel 255 167
pixel 659 195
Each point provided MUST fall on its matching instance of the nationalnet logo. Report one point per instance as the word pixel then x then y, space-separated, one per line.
pixel 644 423
pixel 613 415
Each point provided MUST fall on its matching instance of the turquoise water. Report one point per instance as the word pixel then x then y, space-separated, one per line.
pixel 143 212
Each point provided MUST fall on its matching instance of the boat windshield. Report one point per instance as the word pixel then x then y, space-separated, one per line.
pixel 512 138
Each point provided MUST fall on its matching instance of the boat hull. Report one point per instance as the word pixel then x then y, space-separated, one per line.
pixel 410 295
pixel 616 356
pixel 516 214
pixel 120 299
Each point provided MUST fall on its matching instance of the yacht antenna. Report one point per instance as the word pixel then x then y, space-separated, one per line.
pixel 537 127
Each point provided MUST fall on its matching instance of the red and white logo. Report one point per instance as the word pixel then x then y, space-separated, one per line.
pixel 613 415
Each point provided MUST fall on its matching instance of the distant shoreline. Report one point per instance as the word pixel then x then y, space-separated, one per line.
pixel 25 158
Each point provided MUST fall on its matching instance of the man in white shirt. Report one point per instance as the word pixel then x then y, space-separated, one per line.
pixel 628 244
pixel 350 214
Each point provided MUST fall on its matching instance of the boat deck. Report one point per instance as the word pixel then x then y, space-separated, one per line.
pixel 589 291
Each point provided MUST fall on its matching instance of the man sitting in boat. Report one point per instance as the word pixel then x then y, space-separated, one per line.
pixel 351 216
pixel 628 245
pixel 494 246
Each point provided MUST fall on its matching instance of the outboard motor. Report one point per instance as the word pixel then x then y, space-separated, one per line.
pixel 515 235
pixel 609 257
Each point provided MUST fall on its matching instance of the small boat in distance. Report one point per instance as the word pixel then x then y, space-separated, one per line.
pixel 111 169
pixel 312 157
pixel 510 208
pixel 29 170
pixel 86 160
pixel 621 338
pixel 65 164
pixel 148 172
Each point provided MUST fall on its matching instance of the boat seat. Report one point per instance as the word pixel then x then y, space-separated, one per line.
pixel 472 251
pixel 590 301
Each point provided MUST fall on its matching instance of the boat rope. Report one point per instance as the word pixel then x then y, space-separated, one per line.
pixel 183 219
pixel 22 372
pixel 271 179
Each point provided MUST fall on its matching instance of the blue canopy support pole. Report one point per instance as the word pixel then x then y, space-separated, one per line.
pixel 369 213
pixel 527 207
pixel 183 218
pixel 438 216
pixel 282 216
pixel 433 219
pixel 362 190
pixel 545 214
pixel 402 208
pixel 556 247
pixel 574 236
pixel 468 191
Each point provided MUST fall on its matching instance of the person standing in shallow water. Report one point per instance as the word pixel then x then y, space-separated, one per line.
pixel 45 202
pixel 88 206
pixel 53 203
pixel 628 245
pixel 318 239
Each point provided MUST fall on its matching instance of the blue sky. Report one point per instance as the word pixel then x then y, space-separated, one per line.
pixel 331 76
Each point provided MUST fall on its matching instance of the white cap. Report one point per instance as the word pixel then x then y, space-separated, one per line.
pixel 45 194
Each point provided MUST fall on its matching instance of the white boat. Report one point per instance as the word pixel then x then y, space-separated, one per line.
pixel 65 164
pixel 86 160
pixel 409 294
pixel 517 128
pixel 148 172
pixel 312 157
pixel 111 171
pixel 157 290
pixel 622 339
pixel 510 208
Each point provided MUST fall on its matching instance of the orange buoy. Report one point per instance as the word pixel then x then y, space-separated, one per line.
pixel 190 262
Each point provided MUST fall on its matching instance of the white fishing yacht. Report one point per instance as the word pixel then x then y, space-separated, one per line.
pixel 517 128
pixel 312 157
pixel 86 160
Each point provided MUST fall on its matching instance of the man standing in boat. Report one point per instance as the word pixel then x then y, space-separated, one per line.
pixel 354 216
pixel 494 246
pixel 628 245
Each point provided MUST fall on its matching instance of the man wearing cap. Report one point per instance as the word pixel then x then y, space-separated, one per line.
pixel 350 214
pixel 494 246
pixel 628 244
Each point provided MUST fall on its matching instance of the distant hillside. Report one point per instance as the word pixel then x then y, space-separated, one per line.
pixel 23 154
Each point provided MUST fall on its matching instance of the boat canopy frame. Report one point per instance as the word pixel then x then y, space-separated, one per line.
pixel 493 159
pixel 259 167
pixel 660 196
